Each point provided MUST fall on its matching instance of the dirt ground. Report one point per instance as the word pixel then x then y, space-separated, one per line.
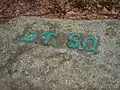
pixel 63 9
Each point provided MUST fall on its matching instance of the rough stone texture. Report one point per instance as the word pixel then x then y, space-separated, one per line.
pixel 37 67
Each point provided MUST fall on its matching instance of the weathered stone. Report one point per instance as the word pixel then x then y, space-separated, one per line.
pixel 31 66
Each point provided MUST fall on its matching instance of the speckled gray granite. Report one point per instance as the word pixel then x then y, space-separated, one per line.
pixel 30 66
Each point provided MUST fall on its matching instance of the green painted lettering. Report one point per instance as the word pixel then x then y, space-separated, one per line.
pixel 26 37
pixel 73 43
pixel 93 46
pixel 47 36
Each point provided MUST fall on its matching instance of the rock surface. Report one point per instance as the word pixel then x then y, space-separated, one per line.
pixel 30 66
